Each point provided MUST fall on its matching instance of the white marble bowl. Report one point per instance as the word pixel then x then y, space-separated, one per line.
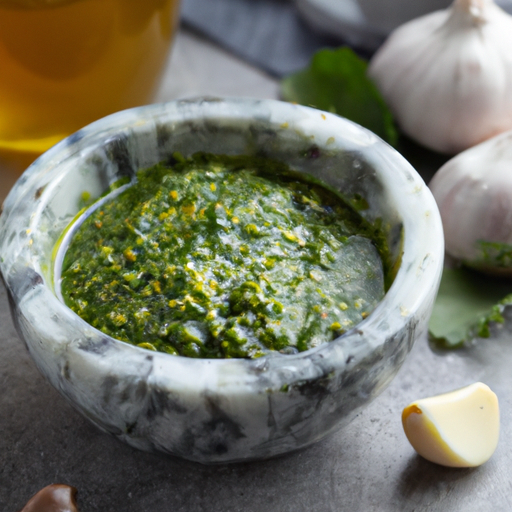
pixel 215 411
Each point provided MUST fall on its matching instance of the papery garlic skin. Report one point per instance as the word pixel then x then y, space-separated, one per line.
pixel 447 76
pixel 473 191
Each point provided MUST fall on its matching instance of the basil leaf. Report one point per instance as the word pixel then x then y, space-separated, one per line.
pixel 467 305
pixel 336 81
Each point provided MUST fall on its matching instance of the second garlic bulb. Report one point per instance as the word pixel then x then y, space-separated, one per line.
pixel 474 194
pixel 447 76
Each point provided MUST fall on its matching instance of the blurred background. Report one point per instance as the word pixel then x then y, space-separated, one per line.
pixel 65 63
pixel 279 36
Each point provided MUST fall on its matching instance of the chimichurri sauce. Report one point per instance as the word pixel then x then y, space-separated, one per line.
pixel 220 257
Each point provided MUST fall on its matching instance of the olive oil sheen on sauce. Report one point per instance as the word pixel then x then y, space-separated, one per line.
pixel 224 257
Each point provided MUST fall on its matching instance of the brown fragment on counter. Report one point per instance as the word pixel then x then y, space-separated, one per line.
pixel 53 498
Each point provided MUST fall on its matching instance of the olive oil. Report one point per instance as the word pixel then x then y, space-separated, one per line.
pixel 66 63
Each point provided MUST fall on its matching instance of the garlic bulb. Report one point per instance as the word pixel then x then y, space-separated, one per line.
pixel 473 191
pixel 447 76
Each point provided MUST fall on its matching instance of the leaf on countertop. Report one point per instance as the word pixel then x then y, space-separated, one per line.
pixel 467 304
pixel 336 81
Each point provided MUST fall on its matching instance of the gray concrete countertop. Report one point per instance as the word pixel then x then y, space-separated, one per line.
pixel 368 466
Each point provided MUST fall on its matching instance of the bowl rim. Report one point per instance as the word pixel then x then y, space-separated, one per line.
pixel 423 249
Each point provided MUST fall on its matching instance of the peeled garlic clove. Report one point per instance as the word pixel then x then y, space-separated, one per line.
pixel 473 191
pixel 447 76
pixel 456 429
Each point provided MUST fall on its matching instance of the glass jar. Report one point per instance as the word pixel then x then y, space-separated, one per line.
pixel 65 63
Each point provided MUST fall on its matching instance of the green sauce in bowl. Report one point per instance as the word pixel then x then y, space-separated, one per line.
pixel 224 257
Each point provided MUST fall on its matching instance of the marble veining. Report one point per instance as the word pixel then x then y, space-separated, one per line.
pixel 214 411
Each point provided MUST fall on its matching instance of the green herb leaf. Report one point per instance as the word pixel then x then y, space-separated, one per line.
pixel 336 81
pixel 495 254
pixel 467 305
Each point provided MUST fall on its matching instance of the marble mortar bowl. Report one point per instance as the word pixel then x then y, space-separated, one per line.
pixel 215 411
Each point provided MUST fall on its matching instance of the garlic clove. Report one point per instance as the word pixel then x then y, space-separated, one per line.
pixel 446 76
pixel 456 429
pixel 473 191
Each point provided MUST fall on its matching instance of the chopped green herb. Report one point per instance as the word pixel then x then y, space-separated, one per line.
pixel 495 254
pixel 467 305
pixel 220 257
